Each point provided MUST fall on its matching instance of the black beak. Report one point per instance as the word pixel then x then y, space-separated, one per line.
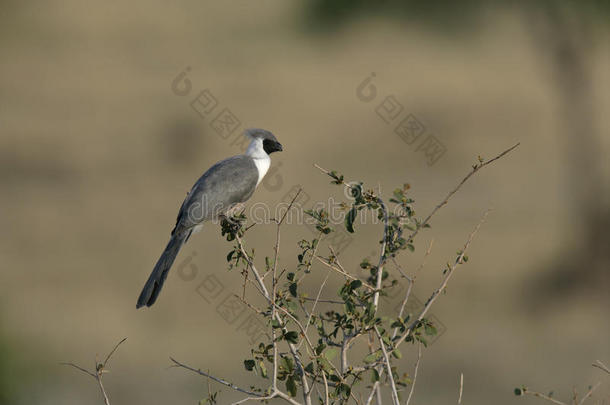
pixel 278 147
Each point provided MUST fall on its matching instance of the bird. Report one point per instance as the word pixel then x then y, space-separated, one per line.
pixel 228 183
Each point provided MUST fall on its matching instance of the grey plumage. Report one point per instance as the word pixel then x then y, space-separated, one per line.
pixel 228 182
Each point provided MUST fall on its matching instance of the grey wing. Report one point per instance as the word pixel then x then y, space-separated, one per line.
pixel 228 182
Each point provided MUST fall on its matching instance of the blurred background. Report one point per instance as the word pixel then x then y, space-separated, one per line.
pixel 100 139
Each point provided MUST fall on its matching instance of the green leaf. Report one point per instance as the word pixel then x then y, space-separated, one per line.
pixel 293 289
pixel 373 357
pixel 291 386
pixel 249 364
pixel 374 376
pixel 288 364
pixel 355 284
pixel 344 390
pixel 263 368
pixel 349 219
pixel 330 354
pixel 430 329
pixel 396 353
pixel 320 348
pixel 292 337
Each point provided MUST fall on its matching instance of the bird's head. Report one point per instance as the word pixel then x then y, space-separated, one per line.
pixel 264 138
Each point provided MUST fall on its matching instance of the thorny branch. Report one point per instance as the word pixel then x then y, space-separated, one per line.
pixel 100 368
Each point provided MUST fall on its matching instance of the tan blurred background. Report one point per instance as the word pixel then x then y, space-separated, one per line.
pixel 97 152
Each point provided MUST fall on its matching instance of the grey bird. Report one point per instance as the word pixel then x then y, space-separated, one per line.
pixel 229 182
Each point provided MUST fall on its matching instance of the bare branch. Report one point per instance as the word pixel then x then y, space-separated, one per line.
pixel 327 263
pixel 112 352
pixel 325 389
pixel 414 374
pixel 601 366
pixel 218 380
pixel 100 368
pixel 290 206
pixel 313 308
pixel 461 388
pixel 389 368
pixel 589 393
pixel 286 398
pixel 545 397
pixel 79 368
pixel 443 285
pixel 475 169
pixel 411 282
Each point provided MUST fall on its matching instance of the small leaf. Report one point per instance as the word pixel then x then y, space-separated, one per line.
pixel 291 386
pixel 249 364
pixel 261 365
pixel 292 337
pixel 349 219
pixel 372 357
pixel 293 289
pixel 330 354
pixel 355 284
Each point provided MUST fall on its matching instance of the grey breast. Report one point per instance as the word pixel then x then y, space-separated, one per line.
pixel 228 182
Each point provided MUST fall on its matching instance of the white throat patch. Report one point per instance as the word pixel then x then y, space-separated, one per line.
pixel 261 158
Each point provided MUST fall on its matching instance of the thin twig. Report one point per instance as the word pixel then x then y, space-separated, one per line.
pixel 443 285
pixel 327 263
pixel 325 388
pixel 313 308
pixel 546 397
pixel 475 169
pixel 79 368
pixel 376 390
pixel 414 374
pixel 601 366
pixel 300 326
pixel 388 365
pixel 323 301
pixel 589 393
pixel 461 388
pixel 242 401
pixel 411 282
pixel 218 380
pixel 100 368
pixel 112 352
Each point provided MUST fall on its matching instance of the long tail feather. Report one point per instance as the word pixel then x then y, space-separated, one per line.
pixel 153 285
